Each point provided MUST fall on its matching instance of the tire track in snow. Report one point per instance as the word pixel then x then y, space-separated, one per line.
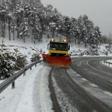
pixel 42 99
pixel 104 98
pixel 56 106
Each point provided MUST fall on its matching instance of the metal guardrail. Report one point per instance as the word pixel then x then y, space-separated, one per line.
pixel 12 79
pixel 107 63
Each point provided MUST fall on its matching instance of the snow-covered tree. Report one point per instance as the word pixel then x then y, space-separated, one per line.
pixel 30 18
pixel 10 61
pixel 6 63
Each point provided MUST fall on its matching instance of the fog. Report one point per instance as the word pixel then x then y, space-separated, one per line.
pixel 99 11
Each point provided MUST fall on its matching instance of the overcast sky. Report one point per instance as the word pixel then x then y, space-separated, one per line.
pixel 99 11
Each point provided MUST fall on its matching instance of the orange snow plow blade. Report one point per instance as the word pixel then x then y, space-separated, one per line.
pixel 58 61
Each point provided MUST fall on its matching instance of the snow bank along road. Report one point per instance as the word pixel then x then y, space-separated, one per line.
pixel 85 87
pixel 31 93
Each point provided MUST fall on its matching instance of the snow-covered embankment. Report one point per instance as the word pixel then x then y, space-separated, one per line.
pixel 31 93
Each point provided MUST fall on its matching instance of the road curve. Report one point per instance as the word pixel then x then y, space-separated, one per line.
pixel 94 71
pixel 86 84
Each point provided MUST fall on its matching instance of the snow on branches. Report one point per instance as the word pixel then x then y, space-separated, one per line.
pixel 10 61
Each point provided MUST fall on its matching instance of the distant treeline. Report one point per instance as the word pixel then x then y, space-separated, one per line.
pixel 31 19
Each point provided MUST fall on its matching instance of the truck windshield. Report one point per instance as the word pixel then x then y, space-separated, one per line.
pixel 59 46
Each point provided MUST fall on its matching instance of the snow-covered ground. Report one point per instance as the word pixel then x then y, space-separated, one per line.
pixel 107 63
pixel 31 93
pixel 64 102
pixel 80 50
pixel 27 49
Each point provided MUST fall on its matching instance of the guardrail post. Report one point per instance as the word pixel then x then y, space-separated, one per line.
pixel 11 80
pixel 13 84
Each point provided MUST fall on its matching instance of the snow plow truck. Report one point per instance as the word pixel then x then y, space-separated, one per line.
pixel 58 54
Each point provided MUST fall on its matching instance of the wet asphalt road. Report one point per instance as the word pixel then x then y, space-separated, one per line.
pixel 94 72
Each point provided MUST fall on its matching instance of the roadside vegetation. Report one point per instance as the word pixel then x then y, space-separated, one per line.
pixel 10 62
pixel 25 20
pixel 22 20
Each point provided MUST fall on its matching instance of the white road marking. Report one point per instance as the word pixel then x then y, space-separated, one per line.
pixel 93 85
pixel 93 89
pixel 84 79
pixel 108 93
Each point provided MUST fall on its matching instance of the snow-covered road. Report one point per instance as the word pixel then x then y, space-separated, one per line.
pixel 31 93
